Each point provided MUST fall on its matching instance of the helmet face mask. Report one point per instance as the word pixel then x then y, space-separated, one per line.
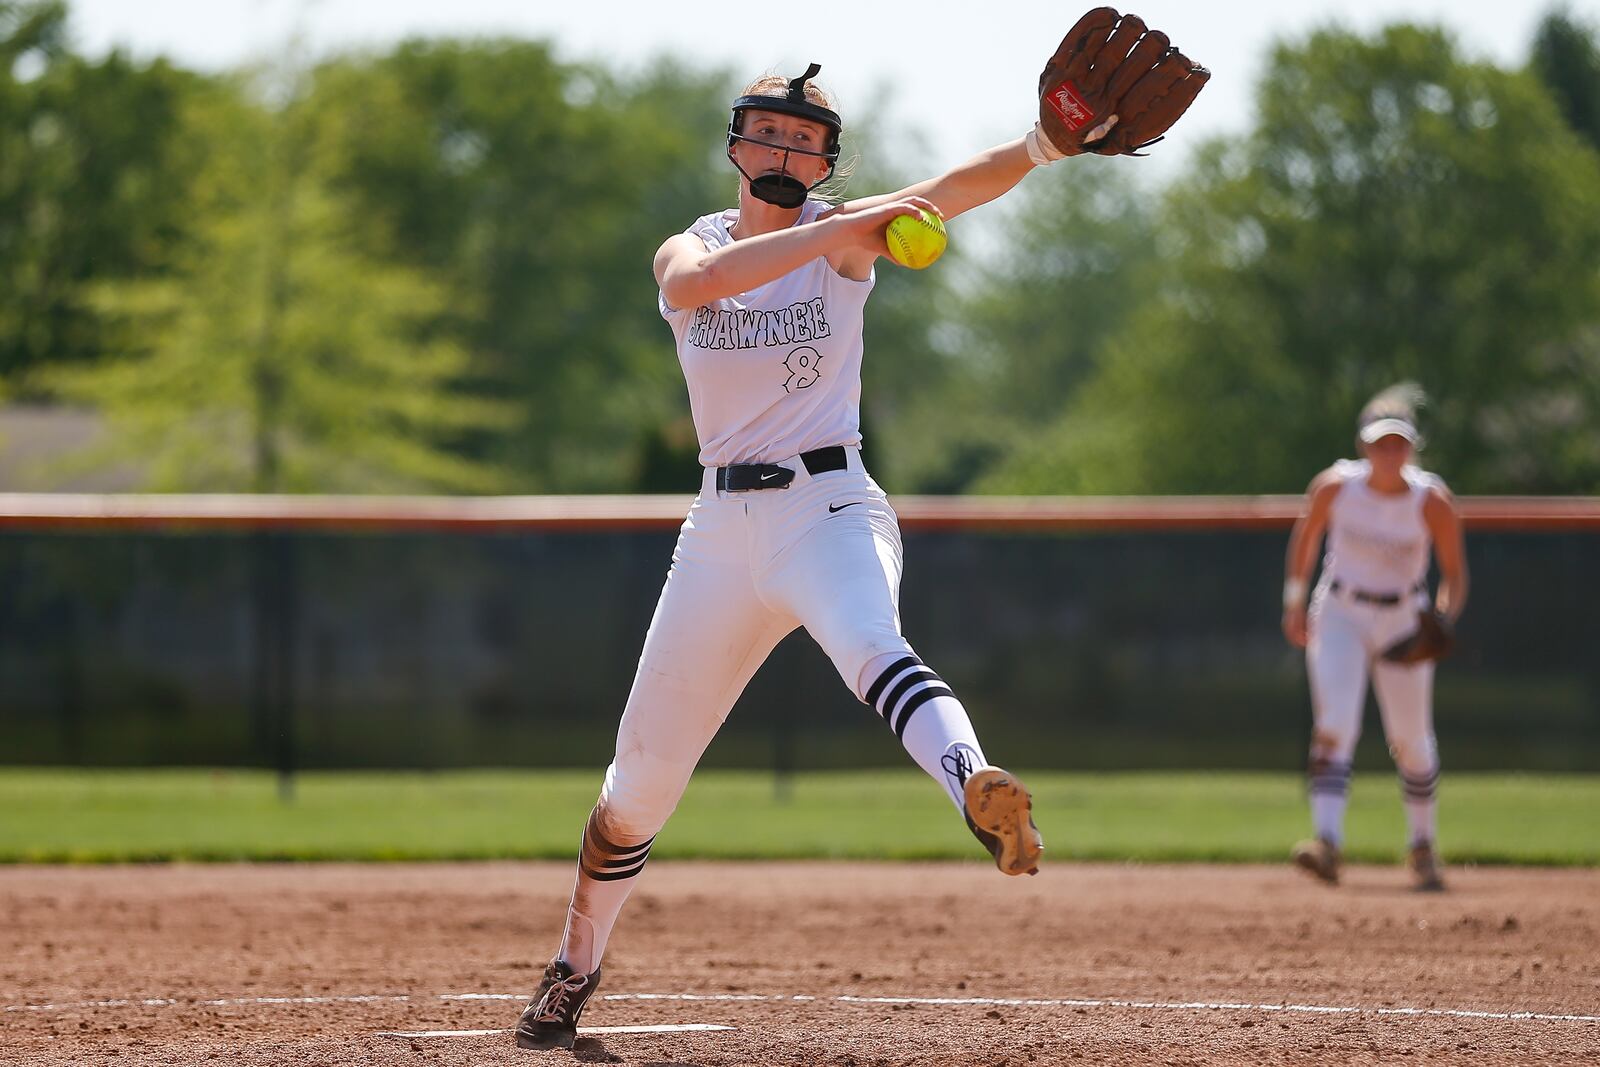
pixel 783 189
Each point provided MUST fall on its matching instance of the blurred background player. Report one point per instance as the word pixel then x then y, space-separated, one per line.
pixel 1381 515
pixel 765 302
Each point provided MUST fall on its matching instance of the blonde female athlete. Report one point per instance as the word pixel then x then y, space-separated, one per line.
pixel 1381 515
pixel 765 302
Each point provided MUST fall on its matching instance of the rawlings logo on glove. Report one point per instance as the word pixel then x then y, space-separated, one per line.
pixel 1073 111
pixel 1122 80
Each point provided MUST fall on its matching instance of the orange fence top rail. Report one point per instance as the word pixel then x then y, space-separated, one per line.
pixel 116 511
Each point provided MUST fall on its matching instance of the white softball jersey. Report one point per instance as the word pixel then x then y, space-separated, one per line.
pixel 775 371
pixel 1377 542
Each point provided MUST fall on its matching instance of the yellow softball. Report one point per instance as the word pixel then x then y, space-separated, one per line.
pixel 917 240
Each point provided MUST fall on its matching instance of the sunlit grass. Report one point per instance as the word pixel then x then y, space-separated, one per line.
pixel 106 815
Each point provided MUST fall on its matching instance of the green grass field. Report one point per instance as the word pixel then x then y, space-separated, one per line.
pixel 55 816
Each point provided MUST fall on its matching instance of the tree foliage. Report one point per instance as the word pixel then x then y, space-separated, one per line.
pixel 1566 58
pixel 276 355
pixel 538 191
pixel 1398 213
pixel 1074 257
pixel 430 267
pixel 93 178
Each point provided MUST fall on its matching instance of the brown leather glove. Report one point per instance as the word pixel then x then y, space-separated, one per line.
pixel 1433 640
pixel 1114 86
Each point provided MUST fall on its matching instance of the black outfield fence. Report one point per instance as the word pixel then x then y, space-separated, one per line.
pixel 407 632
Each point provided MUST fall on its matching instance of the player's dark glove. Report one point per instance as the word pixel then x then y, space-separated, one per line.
pixel 1432 640
pixel 1113 87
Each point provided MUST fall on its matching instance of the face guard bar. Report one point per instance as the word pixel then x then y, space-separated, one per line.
pixel 783 189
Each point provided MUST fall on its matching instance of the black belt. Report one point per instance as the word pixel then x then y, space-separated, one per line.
pixel 1382 600
pixel 743 477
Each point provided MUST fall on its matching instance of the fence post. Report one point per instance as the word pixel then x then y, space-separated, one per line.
pixel 272 690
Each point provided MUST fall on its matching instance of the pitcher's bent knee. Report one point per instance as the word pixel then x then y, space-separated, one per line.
pixel 639 795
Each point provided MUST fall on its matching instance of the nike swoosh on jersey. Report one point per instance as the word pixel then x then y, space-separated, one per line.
pixel 841 507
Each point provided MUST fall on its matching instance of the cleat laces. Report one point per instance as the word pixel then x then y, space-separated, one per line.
pixel 552 1009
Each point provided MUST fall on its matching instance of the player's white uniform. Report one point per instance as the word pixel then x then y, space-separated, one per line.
pixel 774 377
pixel 1373 582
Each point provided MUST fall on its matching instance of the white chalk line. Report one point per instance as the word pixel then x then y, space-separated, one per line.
pixel 762 998
pixel 1146 1005
pixel 162 1002
pixel 583 1031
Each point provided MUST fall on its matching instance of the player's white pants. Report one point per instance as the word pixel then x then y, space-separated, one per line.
pixel 748 569
pixel 1346 638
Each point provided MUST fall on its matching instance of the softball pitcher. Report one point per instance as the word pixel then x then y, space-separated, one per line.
pixel 1381 516
pixel 765 302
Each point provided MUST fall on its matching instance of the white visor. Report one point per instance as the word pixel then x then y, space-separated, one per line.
pixel 1384 427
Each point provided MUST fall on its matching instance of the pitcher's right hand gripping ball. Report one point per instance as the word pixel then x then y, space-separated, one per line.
pixel 1114 86
pixel 915 241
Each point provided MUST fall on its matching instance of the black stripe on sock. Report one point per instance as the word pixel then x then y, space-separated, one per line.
pixel 1420 786
pixel 1329 778
pixel 615 869
pixel 613 876
pixel 883 679
pixel 915 701
pixel 638 855
pixel 904 686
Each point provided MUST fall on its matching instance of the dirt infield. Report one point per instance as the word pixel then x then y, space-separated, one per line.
pixel 851 965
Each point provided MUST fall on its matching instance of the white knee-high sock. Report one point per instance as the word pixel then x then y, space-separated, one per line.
pixel 922 711
pixel 1329 783
pixel 1420 793
pixel 607 872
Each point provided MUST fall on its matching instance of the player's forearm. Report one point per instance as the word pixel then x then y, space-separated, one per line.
pixel 985 177
pixel 1297 560
pixel 1296 568
pixel 747 264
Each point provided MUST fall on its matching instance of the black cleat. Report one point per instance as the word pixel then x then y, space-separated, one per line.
pixel 1424 864
pixel 999 811
pixel 551 1020
pixel 1319 858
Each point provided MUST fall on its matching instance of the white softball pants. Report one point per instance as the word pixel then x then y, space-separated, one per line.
pixel 1346 638
pixel 749 568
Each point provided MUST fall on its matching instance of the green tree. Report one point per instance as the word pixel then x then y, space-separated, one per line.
pixel 277 354
pixel 538 192
pixel 1567 60
pixel 94 174
pixel 1070 259
pixel 1398 213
